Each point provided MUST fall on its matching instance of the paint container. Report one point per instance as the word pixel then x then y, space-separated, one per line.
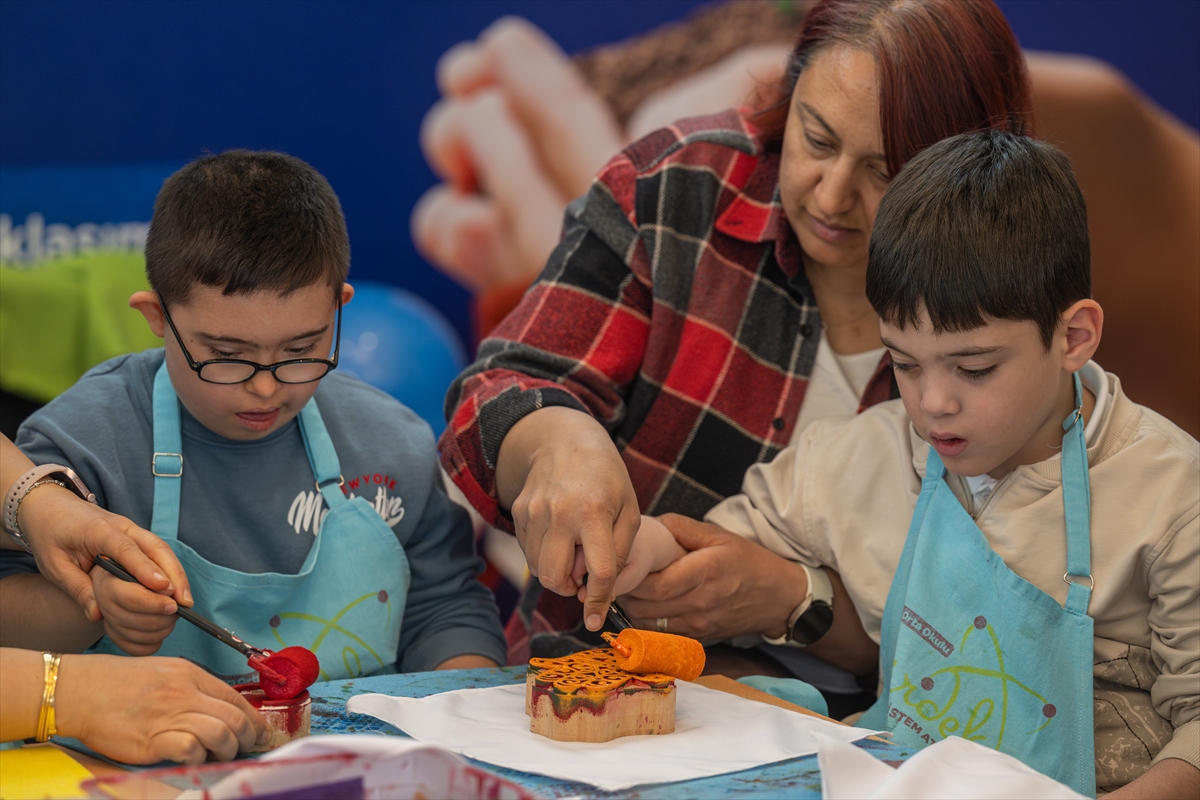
pixel 286 719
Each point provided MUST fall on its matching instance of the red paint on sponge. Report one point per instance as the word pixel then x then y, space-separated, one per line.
pixel 294 668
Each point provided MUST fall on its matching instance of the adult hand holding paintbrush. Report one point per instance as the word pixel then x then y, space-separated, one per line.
pixel 65 534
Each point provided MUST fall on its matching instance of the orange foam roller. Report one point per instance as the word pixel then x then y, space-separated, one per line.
pixel 641 652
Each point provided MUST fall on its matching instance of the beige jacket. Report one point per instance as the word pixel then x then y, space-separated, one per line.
pixel 844 493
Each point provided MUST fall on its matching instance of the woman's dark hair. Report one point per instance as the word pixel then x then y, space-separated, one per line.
pixel 980 226
pixel 944 67
pixel 246 222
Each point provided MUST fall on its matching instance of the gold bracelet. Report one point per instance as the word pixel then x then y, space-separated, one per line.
pixel 46 727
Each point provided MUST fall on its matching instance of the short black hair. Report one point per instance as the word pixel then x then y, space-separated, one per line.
pixel 985 225
pixel 245 222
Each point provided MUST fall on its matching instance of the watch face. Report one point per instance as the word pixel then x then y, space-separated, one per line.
pixel 813 623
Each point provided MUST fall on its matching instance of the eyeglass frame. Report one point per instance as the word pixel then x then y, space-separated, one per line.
pixel 197 366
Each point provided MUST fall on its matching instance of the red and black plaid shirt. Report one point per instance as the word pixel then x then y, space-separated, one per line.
pixel 675 310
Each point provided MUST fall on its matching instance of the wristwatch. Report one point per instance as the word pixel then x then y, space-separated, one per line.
pixel 813 618
pixel 46 473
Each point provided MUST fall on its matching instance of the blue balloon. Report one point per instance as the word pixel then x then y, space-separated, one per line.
pixel 402 345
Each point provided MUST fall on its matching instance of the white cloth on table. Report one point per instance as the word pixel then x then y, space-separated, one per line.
pixel 953 768
pixel 715 733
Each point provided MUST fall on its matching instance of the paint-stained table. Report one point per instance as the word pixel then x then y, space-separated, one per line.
pixel 794 778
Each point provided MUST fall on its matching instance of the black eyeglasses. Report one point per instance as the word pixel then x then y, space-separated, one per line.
pixel 237 370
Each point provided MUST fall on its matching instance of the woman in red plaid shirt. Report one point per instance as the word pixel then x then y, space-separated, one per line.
pixel 706 302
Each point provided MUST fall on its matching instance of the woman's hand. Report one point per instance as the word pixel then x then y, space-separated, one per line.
pixel 566 485
pixel 724 587
pixel 144 710
pixel 66 533
pixel 727 586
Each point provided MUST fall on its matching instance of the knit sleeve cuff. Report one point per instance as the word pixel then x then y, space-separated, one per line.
pixel 1184 745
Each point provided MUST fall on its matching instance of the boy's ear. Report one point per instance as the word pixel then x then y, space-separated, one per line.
pixel 150 307
pixel 347 294
pixel 1084 323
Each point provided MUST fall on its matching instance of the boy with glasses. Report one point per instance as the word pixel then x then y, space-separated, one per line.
pixel 304 507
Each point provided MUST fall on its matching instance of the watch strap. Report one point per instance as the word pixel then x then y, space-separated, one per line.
pixel 813 617
pixel 26 483
pixel 815 621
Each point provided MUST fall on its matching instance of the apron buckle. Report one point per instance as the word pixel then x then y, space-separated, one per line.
pixel 322 484
pixel 1067 580
pixel 167 472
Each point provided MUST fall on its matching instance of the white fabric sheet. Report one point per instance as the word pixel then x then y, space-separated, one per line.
pixel 953 768
pixel 715 733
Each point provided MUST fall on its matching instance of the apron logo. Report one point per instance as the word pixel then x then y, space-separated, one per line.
pixel 909 722
pixel 351 657
pixel 927 632
pixel 308 509
pixel 987 712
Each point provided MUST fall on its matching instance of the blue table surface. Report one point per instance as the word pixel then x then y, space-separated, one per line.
pixel 797 777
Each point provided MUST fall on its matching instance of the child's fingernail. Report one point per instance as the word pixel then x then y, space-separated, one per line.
pixel 170 608
pixel 187 595
pixel 264 737
pixel 91 609
pixel 594 622
pixel 160 577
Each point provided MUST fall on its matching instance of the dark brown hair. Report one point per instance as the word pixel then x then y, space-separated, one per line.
pixel 246 222
pixel 944 67
pixel 986 225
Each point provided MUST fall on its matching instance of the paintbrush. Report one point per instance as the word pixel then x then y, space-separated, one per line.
pixel 256 656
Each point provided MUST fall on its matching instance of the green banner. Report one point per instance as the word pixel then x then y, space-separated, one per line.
pixel 61 317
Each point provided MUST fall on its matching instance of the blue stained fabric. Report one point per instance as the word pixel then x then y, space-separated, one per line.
pixel 790 689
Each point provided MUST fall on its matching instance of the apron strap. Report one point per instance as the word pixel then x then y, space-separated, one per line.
pixel 1077 507
pixel 322 456
pixel 935 472
pixel 167 461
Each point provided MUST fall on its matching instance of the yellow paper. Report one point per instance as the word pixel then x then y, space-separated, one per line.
pixel 35 772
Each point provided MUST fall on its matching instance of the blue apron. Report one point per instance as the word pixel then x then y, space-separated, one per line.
pixel 346 602
pixel 971 649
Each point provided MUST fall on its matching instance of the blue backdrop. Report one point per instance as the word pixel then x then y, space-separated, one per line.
pixel 344 85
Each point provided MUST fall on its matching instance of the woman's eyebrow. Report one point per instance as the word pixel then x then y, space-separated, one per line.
pixel 808 110
pixel 235 340
pixel 812 112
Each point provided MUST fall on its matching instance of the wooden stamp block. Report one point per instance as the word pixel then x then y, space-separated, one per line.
pixel 586 697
